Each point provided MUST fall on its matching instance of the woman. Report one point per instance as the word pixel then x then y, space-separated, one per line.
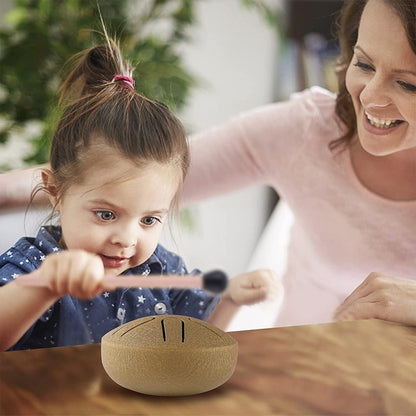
pixel 346 165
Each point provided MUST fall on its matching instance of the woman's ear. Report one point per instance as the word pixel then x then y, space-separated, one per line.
pixel 49 183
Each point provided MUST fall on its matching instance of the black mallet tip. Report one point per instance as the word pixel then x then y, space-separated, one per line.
pixel 215 281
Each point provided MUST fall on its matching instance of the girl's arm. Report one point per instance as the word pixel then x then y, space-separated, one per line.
pixel 16 187
pixel 71 272
pixel 245 289
pixel 20 307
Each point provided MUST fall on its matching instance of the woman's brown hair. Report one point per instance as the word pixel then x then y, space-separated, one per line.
pixel 99 105
pixel 349 21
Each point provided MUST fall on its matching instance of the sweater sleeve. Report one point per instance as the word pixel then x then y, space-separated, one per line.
pixel 249 149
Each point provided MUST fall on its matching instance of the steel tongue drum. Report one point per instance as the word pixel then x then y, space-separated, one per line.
pixel 169 355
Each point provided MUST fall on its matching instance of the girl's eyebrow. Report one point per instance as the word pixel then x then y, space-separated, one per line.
pixel 105 203
pixel 157 212
pixel 396 71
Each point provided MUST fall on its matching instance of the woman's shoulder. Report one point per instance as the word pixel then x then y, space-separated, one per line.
pixel 315 100
pixel 314 103
pixel 318 94
pixel 305 114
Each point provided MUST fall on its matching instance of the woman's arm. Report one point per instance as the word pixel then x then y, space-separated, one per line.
pixel 255 147
pixel 16 187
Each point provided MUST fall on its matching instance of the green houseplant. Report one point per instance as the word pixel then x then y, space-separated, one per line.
pixel 40 36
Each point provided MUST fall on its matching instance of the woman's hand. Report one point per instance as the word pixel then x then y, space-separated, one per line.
pixel 253 287
pixel 73 272
pixel 383 297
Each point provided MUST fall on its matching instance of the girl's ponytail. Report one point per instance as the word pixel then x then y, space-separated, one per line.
pixel 95 69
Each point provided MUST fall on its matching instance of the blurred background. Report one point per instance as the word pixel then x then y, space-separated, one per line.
pixel 207 59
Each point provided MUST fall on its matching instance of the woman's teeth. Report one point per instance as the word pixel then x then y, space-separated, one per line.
pixel 381 123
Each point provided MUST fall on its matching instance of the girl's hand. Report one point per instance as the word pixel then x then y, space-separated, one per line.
pixel 73 272
pixel 253 287
pixel 383 297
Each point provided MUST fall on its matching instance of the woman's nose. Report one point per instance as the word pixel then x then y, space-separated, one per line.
pixel 375 94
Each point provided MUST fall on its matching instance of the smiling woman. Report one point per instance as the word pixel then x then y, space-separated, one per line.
pixel 381 80
pixel 345 165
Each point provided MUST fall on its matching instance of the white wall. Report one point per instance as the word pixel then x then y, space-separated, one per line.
pixel 235 52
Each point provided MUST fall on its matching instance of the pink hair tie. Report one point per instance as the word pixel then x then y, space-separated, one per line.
pixel 128 80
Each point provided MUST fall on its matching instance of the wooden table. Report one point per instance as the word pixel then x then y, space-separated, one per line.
pixel 362 367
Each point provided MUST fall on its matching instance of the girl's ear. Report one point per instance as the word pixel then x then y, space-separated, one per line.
pixel 49 183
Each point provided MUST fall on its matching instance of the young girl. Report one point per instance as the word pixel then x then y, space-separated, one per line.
pixel 117 162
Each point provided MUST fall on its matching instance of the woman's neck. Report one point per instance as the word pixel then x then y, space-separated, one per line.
pixel 392 176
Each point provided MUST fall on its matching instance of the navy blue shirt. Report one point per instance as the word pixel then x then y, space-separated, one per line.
pixel 71 321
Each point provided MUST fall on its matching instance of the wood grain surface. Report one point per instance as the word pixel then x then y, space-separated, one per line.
pixel 362 367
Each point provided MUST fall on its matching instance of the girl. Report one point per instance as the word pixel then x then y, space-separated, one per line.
pixel 117 162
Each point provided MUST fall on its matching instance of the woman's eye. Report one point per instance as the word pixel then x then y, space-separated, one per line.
pixel 148 221
pixel 105 215
pixel 363 66
pixel 407 86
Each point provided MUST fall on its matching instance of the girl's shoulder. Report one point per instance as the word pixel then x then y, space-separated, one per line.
pixel 23 257
pixel 162 261
pixel 170 262
pixel 27 254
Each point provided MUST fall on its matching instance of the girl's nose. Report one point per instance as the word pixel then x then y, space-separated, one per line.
pixel 125 237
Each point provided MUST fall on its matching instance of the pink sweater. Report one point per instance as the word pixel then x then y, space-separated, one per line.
pixel 342 231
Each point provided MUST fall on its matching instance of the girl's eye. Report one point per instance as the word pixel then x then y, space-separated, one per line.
pixel 149 221
pixel 363 66
pixel 105 215
pixel 407 86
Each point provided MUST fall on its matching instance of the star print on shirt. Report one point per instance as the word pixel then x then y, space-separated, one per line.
pixel 72 322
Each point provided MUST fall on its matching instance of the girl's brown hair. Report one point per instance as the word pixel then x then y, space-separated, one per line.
pixel 349 21
pixel 99 106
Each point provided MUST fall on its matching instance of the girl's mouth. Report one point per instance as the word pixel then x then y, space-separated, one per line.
pixel 113 262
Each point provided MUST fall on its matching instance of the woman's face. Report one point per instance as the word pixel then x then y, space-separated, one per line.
pixel 381 80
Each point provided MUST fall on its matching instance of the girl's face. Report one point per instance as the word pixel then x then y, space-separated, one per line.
pixel 118 211
pixel 381 80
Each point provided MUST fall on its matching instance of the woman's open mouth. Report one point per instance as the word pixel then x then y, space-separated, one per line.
pixel 113 262
pixel 381 123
